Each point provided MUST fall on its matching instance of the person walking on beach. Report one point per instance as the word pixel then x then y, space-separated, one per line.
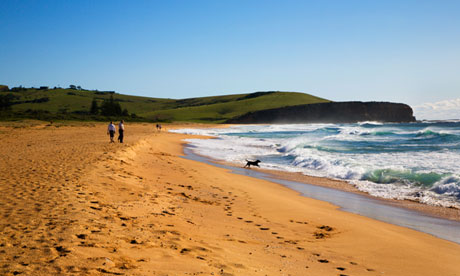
pixel 121 130
pixel 111 131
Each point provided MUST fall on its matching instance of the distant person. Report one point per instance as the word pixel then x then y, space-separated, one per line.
pixel 121 130
pixel 158 127
pixel 111 131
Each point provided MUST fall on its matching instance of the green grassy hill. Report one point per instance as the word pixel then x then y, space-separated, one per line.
pixel 76 104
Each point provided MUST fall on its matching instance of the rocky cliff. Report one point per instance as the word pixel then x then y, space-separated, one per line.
pixel 333 112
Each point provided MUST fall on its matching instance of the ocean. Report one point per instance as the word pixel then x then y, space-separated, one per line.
pixel 415 161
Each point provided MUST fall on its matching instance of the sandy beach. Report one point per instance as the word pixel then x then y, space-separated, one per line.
pixel 74 204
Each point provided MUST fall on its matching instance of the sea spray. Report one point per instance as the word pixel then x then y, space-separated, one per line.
pixel 415 161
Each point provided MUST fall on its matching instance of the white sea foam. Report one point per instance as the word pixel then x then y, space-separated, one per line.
pixel 351 153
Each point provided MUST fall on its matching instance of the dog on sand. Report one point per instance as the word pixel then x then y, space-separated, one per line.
pixel 252 163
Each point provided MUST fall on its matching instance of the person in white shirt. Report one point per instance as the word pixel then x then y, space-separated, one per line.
pixel 111 131
pixel 121 130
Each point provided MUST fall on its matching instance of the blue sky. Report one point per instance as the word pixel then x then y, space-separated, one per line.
pixel 403 51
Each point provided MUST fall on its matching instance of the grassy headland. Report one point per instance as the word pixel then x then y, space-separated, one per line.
pixel 75 104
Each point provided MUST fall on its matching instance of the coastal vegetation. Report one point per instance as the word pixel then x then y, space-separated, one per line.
pixel 77 103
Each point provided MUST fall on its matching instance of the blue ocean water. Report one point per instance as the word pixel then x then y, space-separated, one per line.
pixel 416 161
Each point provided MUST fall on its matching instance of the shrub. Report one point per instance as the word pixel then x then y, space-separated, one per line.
pixel 4 88
pixel 94 107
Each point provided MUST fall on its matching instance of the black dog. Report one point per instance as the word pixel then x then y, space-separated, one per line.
pixel 252 163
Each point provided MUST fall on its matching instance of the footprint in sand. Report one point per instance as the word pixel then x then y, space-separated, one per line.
pixel 62 250
pixel 320 235
pixel 185 250
pixel 82 236
pixel 325 228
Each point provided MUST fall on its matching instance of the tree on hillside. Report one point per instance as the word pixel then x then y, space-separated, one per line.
pixel 18 89
pixel 4 88
pixel 6 101
pixel 94 107
pixel 111 108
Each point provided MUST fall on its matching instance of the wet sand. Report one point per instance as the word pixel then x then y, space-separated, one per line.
pixel 435 211
pixel 73 204
pixel 350 201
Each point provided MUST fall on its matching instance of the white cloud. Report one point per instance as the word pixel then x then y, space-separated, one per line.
pixel 443 110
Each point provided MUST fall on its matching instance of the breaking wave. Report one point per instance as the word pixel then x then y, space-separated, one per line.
pixel 417 161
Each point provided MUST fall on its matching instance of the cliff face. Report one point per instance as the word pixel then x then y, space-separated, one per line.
pixel 333 112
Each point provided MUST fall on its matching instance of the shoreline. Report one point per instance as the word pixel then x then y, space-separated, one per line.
pixel 348 201
pixel 449 213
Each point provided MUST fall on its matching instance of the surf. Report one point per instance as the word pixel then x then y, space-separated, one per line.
pixel 415 161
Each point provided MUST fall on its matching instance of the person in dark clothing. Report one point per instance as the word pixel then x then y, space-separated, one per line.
pixel 121 130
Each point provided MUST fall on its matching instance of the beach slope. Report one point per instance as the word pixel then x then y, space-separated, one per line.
pixel 73 204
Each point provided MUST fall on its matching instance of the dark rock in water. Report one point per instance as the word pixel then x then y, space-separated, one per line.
pixel 333 112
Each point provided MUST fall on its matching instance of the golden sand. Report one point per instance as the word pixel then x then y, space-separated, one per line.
pixel 73 204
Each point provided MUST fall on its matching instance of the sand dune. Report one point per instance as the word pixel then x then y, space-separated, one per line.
pixel 73 204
